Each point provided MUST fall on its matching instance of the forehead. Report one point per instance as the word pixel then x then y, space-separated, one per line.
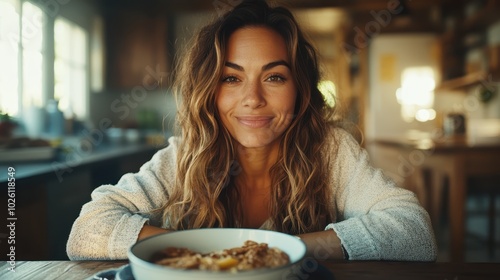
pixel 256 43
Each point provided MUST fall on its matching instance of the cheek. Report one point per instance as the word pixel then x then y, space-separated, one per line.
pixel 220 109
pixel 285 108
pixel 224 105
pixel 291 103
pixel 290 111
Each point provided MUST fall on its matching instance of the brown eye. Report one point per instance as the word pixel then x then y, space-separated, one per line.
pixel 276 79
pixel 230 79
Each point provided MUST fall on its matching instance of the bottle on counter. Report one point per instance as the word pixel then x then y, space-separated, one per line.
pixel 55 118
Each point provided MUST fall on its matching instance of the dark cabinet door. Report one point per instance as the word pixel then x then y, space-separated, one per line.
pixel 137 49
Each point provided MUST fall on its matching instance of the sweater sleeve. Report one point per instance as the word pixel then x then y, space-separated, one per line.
pixel 377 220
pixel 110 223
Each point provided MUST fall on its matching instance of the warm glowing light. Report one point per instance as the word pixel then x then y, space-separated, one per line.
pixel 416 94
pixel 329 91
pixel 424 115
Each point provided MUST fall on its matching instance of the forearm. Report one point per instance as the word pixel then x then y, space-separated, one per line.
pixel 323 245
pixel 103 237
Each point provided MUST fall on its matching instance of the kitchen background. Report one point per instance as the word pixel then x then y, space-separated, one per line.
pixel 85 93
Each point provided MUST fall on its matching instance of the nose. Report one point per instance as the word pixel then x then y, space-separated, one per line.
pixel 253 96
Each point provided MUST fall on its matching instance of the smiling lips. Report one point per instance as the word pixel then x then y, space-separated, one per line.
pixel 254 121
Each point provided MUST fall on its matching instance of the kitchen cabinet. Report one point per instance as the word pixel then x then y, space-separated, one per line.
pixel 47 205
pixel 468 56
pixel 136 48
pixel 64 201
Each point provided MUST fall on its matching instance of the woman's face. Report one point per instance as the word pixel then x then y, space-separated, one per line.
pixel 256 96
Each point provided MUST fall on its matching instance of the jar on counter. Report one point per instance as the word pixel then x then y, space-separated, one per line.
pixel 454 124
pixel 34 121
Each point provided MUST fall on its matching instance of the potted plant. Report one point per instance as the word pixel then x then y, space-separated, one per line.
pixel 7 125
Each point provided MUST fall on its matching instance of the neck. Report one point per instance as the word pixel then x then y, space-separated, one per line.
pixel 255 164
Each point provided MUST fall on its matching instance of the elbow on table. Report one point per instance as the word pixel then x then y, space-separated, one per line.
pixel 427 253
pixel 413 251
pixel 423 243
pixel 424 247
pixel 73 250
pixel 80 246
pixel 78 250
pixel 432 253
pixel 431 249
pixel 417 243
pixel 422 238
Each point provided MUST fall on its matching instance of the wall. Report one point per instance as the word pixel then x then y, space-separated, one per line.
pixel 123 106
pixel 389 55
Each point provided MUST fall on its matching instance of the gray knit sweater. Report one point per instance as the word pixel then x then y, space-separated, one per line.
pixel 376 220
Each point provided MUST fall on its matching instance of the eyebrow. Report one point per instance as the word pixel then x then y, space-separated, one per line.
pixel 264 68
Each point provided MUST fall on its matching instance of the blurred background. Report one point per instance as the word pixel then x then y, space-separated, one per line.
pixel 85 97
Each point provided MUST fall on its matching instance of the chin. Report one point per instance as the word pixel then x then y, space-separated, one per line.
pixel 256 141
pixel 252 144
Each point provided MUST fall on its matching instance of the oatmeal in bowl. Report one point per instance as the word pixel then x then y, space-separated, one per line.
pixel 217 254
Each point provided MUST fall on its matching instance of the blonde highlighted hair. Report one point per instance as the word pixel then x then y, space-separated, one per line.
pixel 204 194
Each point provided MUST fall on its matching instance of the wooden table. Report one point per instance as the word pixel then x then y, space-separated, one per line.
pixel 33 270
pixel 456 158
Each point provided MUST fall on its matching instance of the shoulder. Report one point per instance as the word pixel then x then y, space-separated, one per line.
pixel 342 153
pixel 170 149
pixel 166 157
pixel 339 140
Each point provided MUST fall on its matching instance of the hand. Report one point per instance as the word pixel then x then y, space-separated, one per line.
pixel 323 245
pixel 148 231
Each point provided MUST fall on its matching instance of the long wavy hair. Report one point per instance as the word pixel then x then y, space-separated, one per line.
pixel 204 194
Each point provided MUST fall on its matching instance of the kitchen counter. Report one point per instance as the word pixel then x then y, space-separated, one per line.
pixel 441 144
pixel 66 162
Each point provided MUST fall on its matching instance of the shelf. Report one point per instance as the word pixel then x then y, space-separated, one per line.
pixel 464 82
pixel 482 19
pixel 469 37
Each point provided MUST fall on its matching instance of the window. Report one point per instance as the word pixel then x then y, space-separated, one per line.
pixel 21 53
pixel 9 41
pixel 25 72
pixel 32 55
pixel 70 68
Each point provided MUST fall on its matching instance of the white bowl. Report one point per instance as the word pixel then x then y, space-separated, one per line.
pixel 132 135
pixel 115 135
pixel 213 239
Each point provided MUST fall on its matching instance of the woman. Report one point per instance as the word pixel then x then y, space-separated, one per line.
pixel 257 150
